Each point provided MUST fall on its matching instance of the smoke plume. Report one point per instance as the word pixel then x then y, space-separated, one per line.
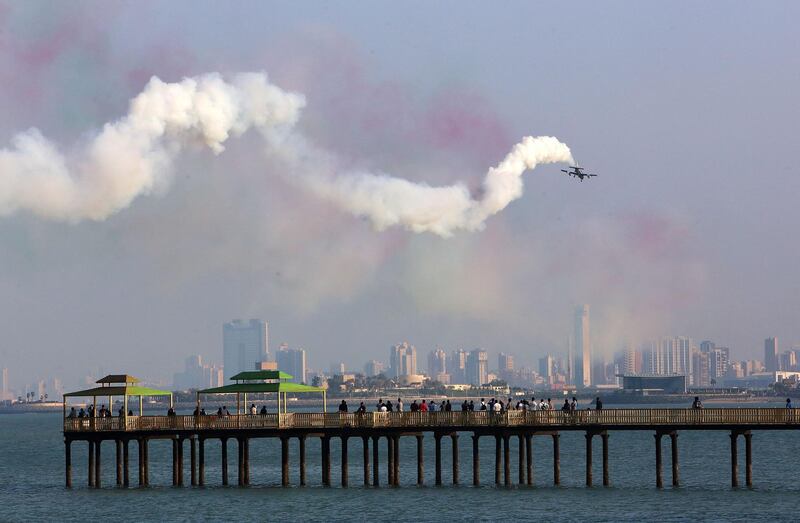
pixel 134 156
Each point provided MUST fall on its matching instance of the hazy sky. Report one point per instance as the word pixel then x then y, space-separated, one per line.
pixel 689 111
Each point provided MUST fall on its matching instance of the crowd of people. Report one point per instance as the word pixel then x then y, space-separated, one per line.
pixel 494 405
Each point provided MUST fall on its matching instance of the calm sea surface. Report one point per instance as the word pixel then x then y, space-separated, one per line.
pixel 32 478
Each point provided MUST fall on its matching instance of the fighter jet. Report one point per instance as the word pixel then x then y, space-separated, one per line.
pixel 577 172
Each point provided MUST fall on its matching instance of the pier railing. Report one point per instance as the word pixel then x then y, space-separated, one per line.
pixel 457 419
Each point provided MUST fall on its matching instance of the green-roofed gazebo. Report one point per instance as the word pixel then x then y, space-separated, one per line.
pixel 117 385
pixel 263 381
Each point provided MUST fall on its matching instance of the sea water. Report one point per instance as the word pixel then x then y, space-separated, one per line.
pixel 32 481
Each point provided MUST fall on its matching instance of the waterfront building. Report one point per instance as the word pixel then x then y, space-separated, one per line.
pixel 244 345
pixel 583 347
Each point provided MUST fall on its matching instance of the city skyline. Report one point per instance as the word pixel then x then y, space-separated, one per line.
pixel 704 364
pixel 669 240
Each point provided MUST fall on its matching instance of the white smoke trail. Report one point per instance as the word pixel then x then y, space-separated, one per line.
pixel 134 156
pixel 389 201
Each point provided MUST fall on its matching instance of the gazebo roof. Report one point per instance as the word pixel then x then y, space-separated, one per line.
pixel 119 390
pixel 252 375
pixel 118 378
pixel 261 387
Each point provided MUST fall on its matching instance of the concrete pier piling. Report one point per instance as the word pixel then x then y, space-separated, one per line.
pixel 454 441
pixel 365 459
pixel 606 475
pixel 420 461
pixel 476 460
pixel 556 460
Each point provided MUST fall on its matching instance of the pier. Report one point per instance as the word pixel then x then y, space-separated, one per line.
pixel 525 429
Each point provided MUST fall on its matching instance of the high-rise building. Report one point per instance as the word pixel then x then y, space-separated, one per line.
pixel 570 362
pixel 292 361
pixel 457 366
pixel 788 360
pixel 546 368
pixel 373 368
pixel 505 367
pixel 437 363
pixel 631 360
pixel 707 346
pixel 701 376
pixel 583 348
pixel 4 392
pixel 719 359
pixel 197 375
pixel 505 362
pixel 677 354
pixel 670 356
pixel 771 362
pixel 477 371
pixel 244 345
pixel 402 360
pixel 653 361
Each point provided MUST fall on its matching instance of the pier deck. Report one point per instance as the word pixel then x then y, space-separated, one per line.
pixel 519 425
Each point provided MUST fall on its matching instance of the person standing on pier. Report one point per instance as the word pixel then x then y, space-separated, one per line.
pixel 788 403
pixel 343 407
pixel 423 407
pixel 697 404
pixel 598 405
pixel 253 409
pixel 574 405
pixel 263 411
pixel 72 414
pixel 565 407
